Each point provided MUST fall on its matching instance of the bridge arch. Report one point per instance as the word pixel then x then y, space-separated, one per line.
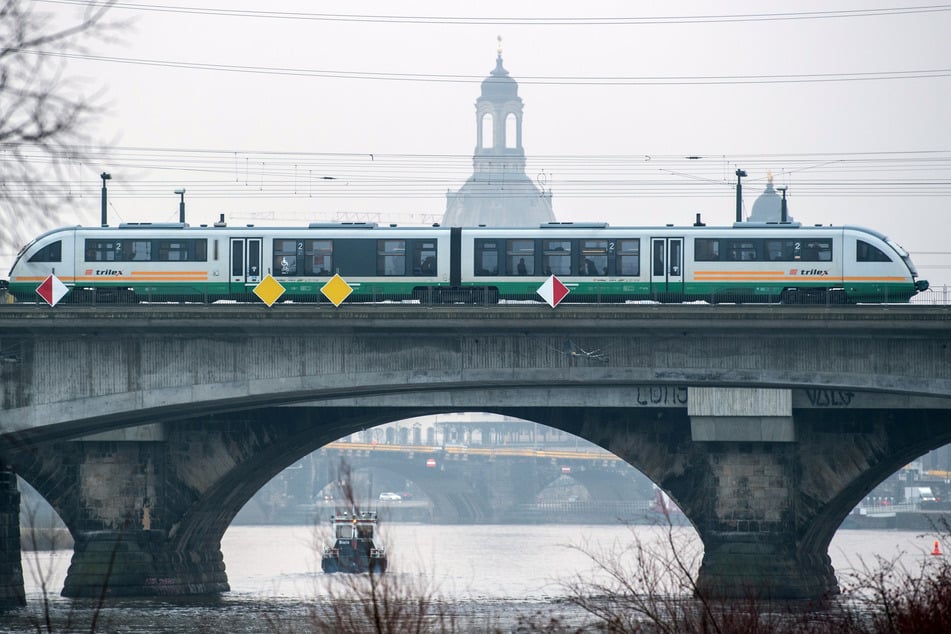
pixel 582 369
pixel 838 458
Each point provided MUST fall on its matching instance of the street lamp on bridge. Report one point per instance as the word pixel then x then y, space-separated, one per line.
pixel 181 205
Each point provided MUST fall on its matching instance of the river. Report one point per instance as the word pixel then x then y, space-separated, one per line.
pixel 485 573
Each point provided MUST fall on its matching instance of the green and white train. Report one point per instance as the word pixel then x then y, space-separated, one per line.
pixel 746 262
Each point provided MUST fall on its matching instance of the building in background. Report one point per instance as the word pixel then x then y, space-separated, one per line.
pixel 499 193
pixel 769 205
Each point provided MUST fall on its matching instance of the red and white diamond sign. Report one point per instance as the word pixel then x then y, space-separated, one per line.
pixel 52 290
pixel 553 291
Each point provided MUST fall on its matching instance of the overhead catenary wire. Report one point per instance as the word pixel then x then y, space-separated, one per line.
pixel 278 174
pixel 672 80
pixel 535 20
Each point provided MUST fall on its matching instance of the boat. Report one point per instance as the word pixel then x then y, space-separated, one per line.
pixel 354 548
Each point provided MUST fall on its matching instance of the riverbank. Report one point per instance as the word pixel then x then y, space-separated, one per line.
pixel 933 521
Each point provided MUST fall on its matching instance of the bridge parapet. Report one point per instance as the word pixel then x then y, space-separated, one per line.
pixel 73 371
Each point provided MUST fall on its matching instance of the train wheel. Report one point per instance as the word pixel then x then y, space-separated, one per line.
pixel 791 296
pixel 484 295
pixel 81 296
pixel 424 295
pixel 125 296
pixel 838 296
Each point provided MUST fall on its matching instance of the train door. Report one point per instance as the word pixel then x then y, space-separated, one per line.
pixel 245 263
pixel 667 266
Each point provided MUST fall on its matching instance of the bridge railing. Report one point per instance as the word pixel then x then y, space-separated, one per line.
pixel 934 296
pixel 587 512
pixel 939 295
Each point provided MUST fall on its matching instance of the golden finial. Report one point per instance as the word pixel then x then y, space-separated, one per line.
pixel 499 47
pixel 769 176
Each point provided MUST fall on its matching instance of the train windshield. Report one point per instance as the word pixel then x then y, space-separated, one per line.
pixel 904 256
pixel 20 253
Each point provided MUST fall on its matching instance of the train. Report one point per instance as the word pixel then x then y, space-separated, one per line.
pixel 596 262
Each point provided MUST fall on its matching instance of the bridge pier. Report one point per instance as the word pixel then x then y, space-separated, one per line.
pixel 11 569
pixel 748 438
pixel 738 566
pixel 139 563
pixel 752 543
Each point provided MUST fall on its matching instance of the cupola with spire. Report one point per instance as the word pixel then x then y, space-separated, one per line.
pixel 498 193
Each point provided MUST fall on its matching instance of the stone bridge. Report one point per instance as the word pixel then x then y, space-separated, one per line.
pixel 148 427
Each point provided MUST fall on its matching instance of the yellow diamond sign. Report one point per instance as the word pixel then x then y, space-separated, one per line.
pixel 336 290
pixel 269 290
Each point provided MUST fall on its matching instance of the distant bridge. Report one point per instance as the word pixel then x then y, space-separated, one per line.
pixel 369 448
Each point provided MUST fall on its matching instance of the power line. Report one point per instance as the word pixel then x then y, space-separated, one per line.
pixel 673 80
pixel 520 21
pixel 208 173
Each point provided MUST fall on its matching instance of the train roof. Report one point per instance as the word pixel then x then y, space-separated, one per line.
pixel 554 227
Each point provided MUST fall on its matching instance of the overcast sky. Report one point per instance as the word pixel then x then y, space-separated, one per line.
pixel 337 109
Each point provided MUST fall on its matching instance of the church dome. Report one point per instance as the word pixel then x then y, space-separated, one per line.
pixel 499 85
pixel 768 206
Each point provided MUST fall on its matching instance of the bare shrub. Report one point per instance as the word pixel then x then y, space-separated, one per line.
pixel 384 603
pixel 650 585
pixel 46 537
pixel 381 603
pixel 886 597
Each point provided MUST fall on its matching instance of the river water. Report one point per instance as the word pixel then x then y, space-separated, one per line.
pixel 487 574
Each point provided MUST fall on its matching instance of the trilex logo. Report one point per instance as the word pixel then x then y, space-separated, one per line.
pixel 811 272
pixel 107 272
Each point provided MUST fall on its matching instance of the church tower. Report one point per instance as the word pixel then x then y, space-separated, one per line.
pixel 499 193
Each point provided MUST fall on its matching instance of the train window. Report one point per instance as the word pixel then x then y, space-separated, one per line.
pixel 100 251
pixel 320 257
pixel 594 254
pixel 658 248
pixel 182 250
pixel 137 250
pixel 783 250
pixel 866 252
pixel 742 250
pixel 52 252
pixel 391 257
pixel 818 250
pixel 285 256
pixel 237 258
pixel 486 257
pixel 424 258
pixel 629 257
pixel 706 249
pixel 676 246
pixel 557 257
pixel 521 257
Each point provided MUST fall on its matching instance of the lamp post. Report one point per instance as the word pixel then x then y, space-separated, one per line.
pixel 739 195
pixel 783 210
pixel 104 176
pixel 181 205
